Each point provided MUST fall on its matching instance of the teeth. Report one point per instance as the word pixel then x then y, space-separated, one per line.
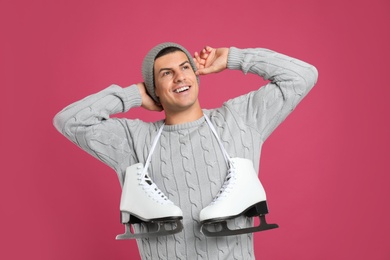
pixel 182 89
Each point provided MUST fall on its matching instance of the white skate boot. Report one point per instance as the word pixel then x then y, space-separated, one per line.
pixel 241 194
pixel 142 202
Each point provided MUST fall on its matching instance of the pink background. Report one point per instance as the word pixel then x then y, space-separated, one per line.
pixel 326 169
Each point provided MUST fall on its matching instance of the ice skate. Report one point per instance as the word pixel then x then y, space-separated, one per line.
pixel 142 202
pixel 241 194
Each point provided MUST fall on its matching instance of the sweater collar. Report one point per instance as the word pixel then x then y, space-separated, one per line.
pixel 185 126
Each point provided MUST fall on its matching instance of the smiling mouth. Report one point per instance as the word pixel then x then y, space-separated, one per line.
pixel 182 89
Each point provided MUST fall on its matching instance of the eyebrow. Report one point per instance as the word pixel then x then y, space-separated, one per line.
pixel 171 68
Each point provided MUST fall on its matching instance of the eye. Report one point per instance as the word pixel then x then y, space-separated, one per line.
pixel 186 67
pixel 166 73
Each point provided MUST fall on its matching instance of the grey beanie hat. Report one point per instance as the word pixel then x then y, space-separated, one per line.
pixel 148 65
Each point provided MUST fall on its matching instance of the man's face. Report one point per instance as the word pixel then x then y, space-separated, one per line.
pixel 176 82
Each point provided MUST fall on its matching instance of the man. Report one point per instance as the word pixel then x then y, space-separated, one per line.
pixel 188 163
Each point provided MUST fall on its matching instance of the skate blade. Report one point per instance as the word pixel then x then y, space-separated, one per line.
pixel 225 231
pixel 160 231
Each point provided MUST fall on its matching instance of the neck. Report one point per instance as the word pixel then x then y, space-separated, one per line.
pixel 184 116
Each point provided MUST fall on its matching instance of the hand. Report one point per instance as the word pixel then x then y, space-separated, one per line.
pixel 147 102
pixel 211 60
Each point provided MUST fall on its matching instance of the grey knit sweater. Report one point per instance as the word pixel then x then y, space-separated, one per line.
pixel 188 165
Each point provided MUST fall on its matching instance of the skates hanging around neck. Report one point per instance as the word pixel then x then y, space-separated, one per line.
pixel 142 202
pixel 241 194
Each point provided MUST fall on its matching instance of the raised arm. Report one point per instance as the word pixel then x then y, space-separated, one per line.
pixel 290 81
pixel 95 109
pixel 87 123
pixel 264 109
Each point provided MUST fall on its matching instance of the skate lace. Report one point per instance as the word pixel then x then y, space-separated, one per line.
pixel 147 184
pixel 152 190
pixel 227 185
pixel 231 177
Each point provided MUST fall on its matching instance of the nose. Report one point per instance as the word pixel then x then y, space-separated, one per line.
pixel 179 76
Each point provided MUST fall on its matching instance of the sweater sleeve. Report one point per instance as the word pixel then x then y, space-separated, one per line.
pixel 87 123
pixel 290 81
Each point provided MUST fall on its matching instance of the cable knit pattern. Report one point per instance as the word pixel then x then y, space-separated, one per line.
pixel 188 164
